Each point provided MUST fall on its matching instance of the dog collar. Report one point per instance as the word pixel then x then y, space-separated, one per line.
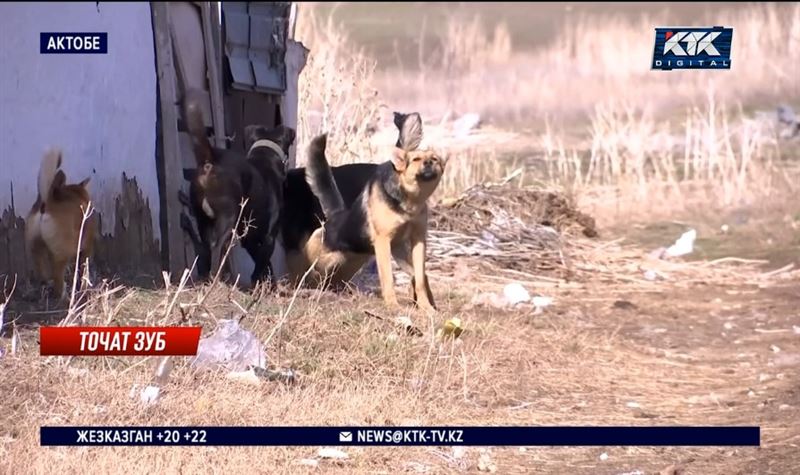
pixel 270 144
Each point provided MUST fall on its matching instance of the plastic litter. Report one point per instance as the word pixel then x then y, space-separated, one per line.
pixel 229 347
pixel 451 328
pixel 330 453
pixel 684 245
pixel 150 394
pixel 515 293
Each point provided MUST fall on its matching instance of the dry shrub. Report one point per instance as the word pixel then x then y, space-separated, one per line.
pixel 336 93
pixel 585 64
pixel 713 157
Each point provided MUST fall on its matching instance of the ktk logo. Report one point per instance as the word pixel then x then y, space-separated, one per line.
pixel 692 48
pixel 696 42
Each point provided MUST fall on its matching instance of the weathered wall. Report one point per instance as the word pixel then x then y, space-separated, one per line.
pixel 100 109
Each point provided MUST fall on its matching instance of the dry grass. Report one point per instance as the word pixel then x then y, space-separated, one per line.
pixel 583 361
pixel 335 91
pixel 562 367
pixel 612 131
pixel 473 67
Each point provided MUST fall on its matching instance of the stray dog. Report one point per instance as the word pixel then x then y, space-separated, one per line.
pixel 224 179
pixel 389 218
pixel 306 215
pixel 53 225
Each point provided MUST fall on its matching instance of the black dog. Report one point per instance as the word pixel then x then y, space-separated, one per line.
pixel 223 180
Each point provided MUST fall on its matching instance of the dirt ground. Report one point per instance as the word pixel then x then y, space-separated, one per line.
pixel 689 349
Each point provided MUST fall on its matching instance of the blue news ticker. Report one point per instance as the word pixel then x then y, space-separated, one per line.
pixel 73 43
pixel 401 436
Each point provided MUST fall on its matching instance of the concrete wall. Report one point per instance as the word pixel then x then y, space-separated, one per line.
pixel 100 109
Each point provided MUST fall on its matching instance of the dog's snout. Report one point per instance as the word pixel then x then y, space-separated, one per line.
pixel 428 162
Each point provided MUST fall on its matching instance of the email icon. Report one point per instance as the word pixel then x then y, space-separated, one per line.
pixel 345 436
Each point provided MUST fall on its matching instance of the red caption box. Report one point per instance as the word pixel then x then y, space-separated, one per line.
pixel 118 341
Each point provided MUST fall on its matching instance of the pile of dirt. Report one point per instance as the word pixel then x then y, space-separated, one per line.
pixel 481 206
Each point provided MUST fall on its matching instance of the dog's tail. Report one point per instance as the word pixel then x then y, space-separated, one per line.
pixel 51 163
pixel 203 153
pixel 320 177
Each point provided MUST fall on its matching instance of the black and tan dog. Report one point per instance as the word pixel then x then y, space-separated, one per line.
pixel 389 218
pixel 224 179
pixel 305 214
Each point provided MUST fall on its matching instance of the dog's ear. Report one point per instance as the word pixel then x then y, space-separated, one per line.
pixel 290 135
pixel 59 180
pixel 85 182
pixel 250 136
pixel 410 130
pixel 399 159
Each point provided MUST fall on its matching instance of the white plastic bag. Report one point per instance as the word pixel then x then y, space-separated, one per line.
pixel 229 347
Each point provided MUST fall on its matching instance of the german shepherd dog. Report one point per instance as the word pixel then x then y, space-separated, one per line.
pixel 224 179
pixel 389 218
pixel 53 225
pixel 306 214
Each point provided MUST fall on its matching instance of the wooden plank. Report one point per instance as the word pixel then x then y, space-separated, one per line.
pixel 172 170
pixel 214 78
pixel 296 57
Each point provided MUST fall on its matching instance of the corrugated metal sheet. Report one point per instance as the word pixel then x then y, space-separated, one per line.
pixel 255 44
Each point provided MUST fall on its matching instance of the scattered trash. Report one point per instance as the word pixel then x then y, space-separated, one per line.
pixel 150 394
pixel 248 377
pixel 728 325
pixel 515 293
pixel 604 456
pixel 684 245
pixel 635 472
pixel 162 371
pixel 489 299
pixel 763 377
pixel 331 453
pixel 724 228
pixel 796 329
pixel 774 349
pixel 541 302
pixel 633 405
pixel 784 407
pixel 230 347
pixel 485 463
pixel 281 375
pixel 751 393
pixel 451 328
pixel 459 452
pixel 406 324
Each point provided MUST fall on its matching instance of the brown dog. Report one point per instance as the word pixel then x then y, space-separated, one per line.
pixel 390 218
pixel 53 226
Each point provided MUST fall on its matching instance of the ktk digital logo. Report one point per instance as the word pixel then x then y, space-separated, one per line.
pixel 693 48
